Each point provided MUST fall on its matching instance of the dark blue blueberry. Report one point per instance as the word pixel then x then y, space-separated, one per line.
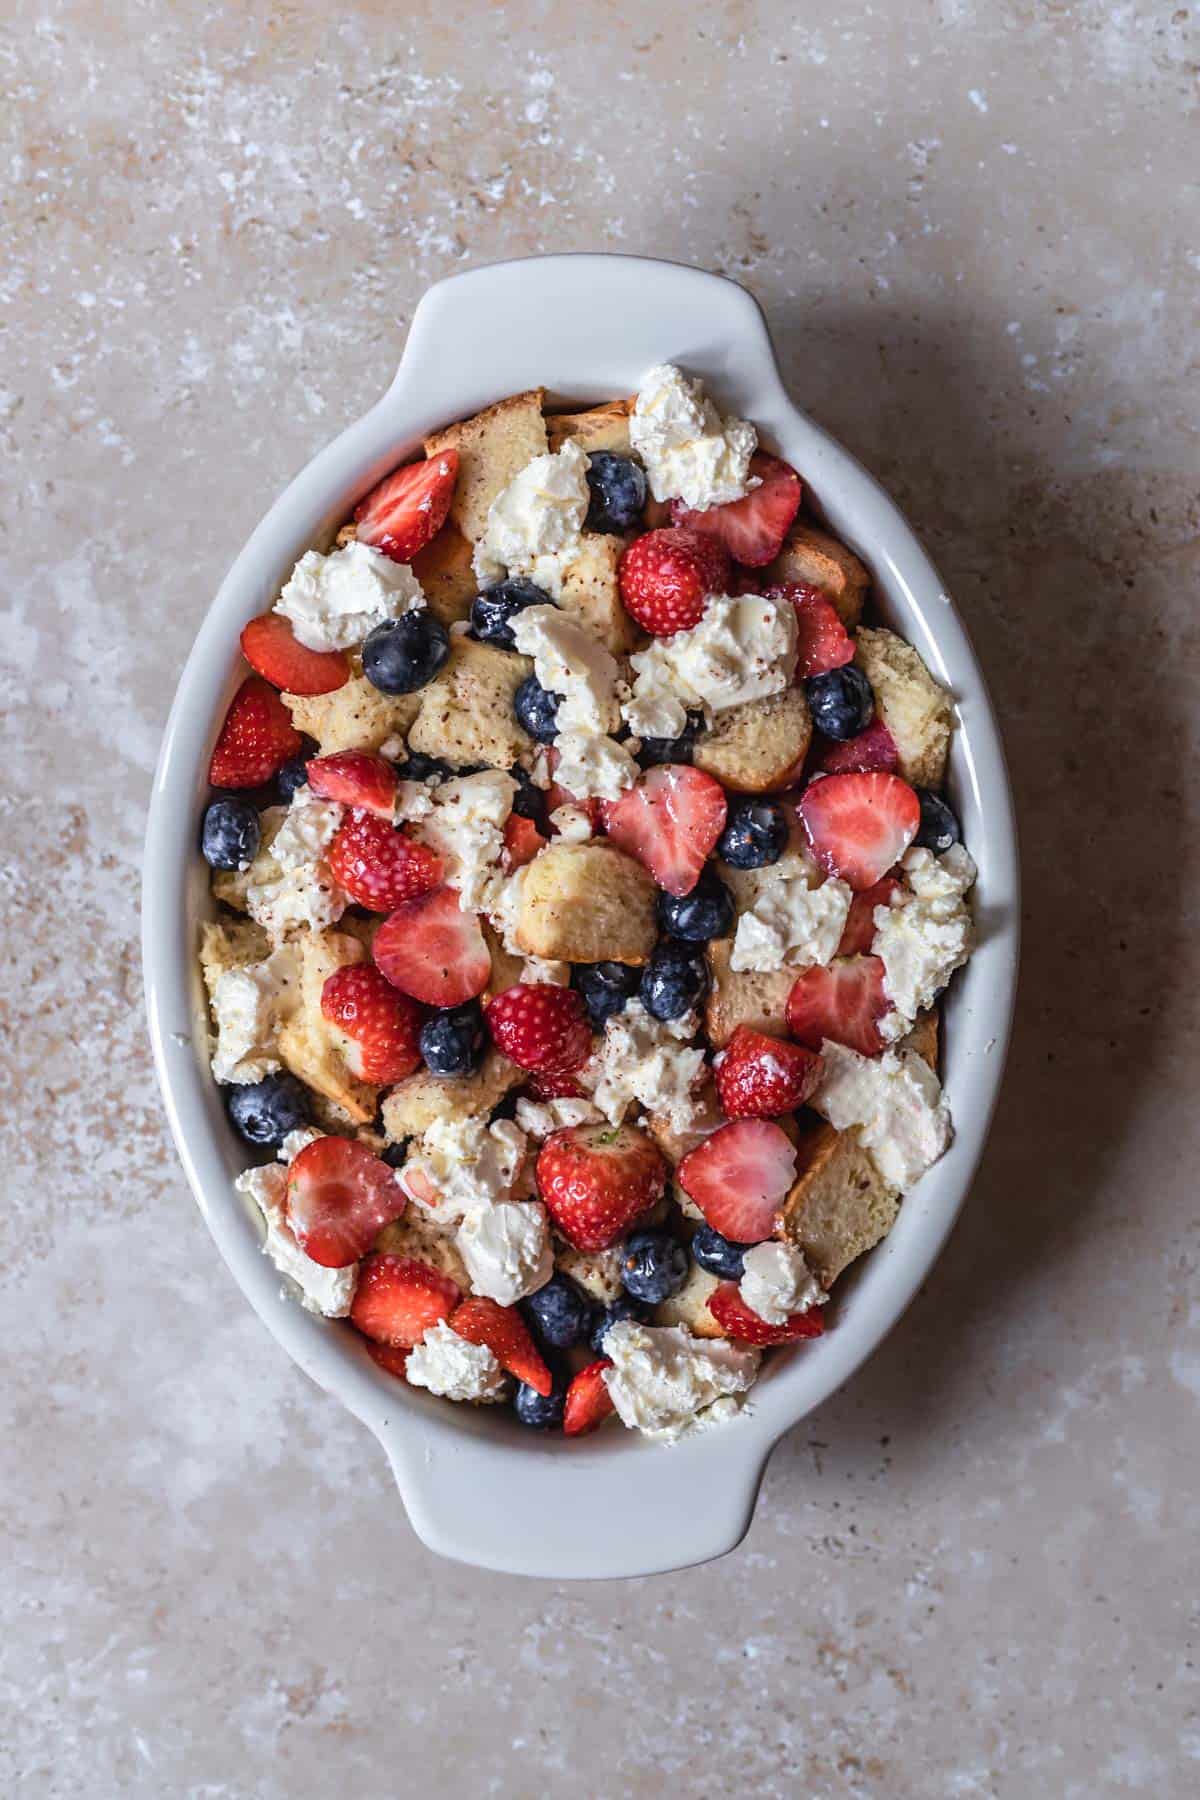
pixel 403 654
pixel 493 611
pixel 672 750
pixel 418 767
pixel 618 489
pixel 537 709
pixel 267 1110
pixel 755 834
pixel 653 1266
pixel 560 1313
pixel 529 801
pixel 842 702
pixel 541 1412
pixel 230 833
pixel 719 1255
pixel 605 987
pixel 293 775
pixel 938 828
pixel 707 912
pixel 452 1040
pixel 674 980
pixel 624 1308
pixel 395 1156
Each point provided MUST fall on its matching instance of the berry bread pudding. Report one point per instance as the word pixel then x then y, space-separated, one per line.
pixel 585 891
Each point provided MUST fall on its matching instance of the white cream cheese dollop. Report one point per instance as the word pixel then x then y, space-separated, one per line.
pixel 507 1249
pixel 248 1005
pixel 925 934
pixel 777 1282
pixel 534 524
pixel 569 661
pixel 663 1379
pixel 332 602
pixel 642 1061
pixel 457 1370
pixel 465 825
pixel 744 648
pixel 325 1291
pixel 690 452
pixel 296 887
pixel 791 924
pixel 896 1102
pixel 467 1163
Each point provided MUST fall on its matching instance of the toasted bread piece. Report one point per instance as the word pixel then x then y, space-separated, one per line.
pixel 587 903
pixel 924 1037
pixel 753 997
pixel 466 712
pixel 916 709
pixel 604 427
pixel 229 885
pixel 413 1104
pixel 839 1206
pixel 355 716
pixel 676 1144
pixel 815 557
pixel 506 968
pixel 758 747
pixel 307 1044
pixel 690 1305
pixel 417 1236
pixel 746 885
pixel 444 571
pixel 591 592
pixel 493 447
pixel 230 944
pixel 597 1272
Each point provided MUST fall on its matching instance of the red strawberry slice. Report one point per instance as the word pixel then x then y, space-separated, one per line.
pixel 859 826
pixel 739 1178
pixel 823 641
pixel 666 577
pixel 597 1180
pixel 274 651
pixel 256 739
pixel 504 1331
pixel 390 1357
pixel 588 1402
pixel 398 1299
pixel 844 1000
pixel 762 1077
pixel 355 778
pixel 339 1198
pixel 432 949
pixel 859 933
pixel 381 1024
pixel 753 529
pixel 670 820
pixel 540 1026
pixel 542 1085
pixel 737 1320
pixel 409 507
pixel 874 748
pixel 379 866
pixel 522 842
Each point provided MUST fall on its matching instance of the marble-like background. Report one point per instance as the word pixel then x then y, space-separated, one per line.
pixel 974 226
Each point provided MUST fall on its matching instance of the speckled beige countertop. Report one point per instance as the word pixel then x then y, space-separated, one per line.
pixel 974 1572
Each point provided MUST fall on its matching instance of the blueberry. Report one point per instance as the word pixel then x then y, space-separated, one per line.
pixel 267 1110
pixel 419 767
pixel 674 980
pixel 653 1266
pixel 560 1313
pixel 537 709
pixel 672 750
pixel 707 912
pixel 395 1156
pixel 541 1412
pixel 842 702
pixel 605 987
pixel 403 654
pixel 719 1255
pixel 230 833
pixel 293 775
pixel 618 489
pixel 755 834
pixel 529 801
pixel 938 828
pixel 493 611
pixel 452 1040
pixel 624 1308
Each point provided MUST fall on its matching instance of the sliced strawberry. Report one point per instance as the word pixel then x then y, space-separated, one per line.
pixel 739 1178
pixel 753 529
pixel 339 1198
pixel 761 1077
pixel 670 820
pixel 409 507
pixel 256 739
pixel 540 1026
pixel 504 1331
pixel 588 1402
pixel 557 795
pixel 399 1299
pixel 432 949
pixel 666 577
pixel 522 841
pixel 542 1085
pixel 859 826
pixel 874 748
pixel 597 1180
pixel 379 866
pixel 843 1000
pixel 381 1025
pixel 274 651
pixel 737 1320
pixel 391 1357
pixel 417 1185
pixel 822 640
pixel 859 933
pixel 355 778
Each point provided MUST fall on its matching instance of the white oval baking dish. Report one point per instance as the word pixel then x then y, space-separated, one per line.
pixel 476 1485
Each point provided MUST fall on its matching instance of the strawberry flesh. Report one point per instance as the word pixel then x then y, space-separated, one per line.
pixel 823 643
pixel 398 1299
pixel 761 1077
pixel 860 825
pixel 540 1026
pixel 355 778
pixel 504 1331
pixel 430 948
pixel 274 651
pixel 739 1178
pixel 752 530
pixel 737 1320
pixel 522 841
pixel 409 507
pixel 256 738
pixel 379 866
pixel 670 821
pixel 339 1198
pixel 588 1402
pixel 874 748
pixel 666 577
pixel 384 1025
pixel 859 933
pixel 843 1000
pixel 597 1180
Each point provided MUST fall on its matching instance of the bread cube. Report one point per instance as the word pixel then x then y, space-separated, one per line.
pixel 601 428
pixel 355 716
pixel 753 997
pixel 415 1103
pixel 758 747
pixel 447 578
pixel 465 713
pixel 493 447
pixel 814 557
pixel 916 709
pixel 590 591
pixel 419 1237
pixel 308 1044
pixel 587 903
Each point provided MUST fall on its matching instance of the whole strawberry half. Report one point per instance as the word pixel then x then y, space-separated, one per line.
pixel 670 820
pixel 504 1331
pixel 761 1077
pixel 859 826
pixel 859 932
pixel 540 1026
pixel 339 1198
pixel 355 778
pixel 751 530
pixel 822 641
pixel 256 738
pixel 274 651
pixel 874 748
pixel 597 1180
pixel 666 577
pixel 398 1299
pixel 409 507
pixel 381 1024
pixel 588 1402
pixel 430 948
pixel 739 1177
pixel 843 1000
pixel 379 866
pixel 737 1320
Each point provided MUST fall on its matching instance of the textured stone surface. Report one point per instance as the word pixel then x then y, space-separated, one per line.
pixel 971 1573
